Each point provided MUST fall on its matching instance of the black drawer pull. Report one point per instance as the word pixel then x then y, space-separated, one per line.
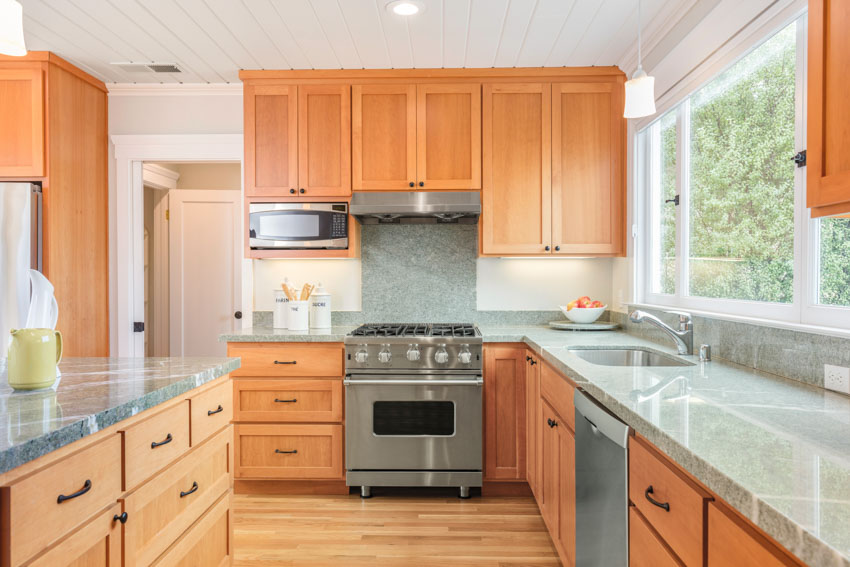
pixel 190 491
pixel 168 439
pixel 215 411
pixel 652 500
pixel 86 487
pixel 292 401
pixel 552 422
pixel 292 452
pixel 122 518
pixel 286 362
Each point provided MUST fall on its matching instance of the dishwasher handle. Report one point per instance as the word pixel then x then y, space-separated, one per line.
pixel 600 420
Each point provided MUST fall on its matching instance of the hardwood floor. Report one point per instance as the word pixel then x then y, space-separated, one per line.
pixel 432 530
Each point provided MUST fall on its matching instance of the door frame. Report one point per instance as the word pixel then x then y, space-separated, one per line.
pixel 126 258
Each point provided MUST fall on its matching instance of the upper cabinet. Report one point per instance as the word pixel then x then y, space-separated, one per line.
pixel 21 120
pixel 297 140
pixel 828 151
pixel 588 174
pixel 554 168
pixel 425 136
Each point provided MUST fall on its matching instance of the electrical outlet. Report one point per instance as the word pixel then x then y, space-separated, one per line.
pixel 836 378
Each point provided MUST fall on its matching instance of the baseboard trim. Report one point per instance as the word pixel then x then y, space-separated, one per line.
pixel 278 487
pixel 506 488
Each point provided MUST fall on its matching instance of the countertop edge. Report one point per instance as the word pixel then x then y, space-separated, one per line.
pixel 33 449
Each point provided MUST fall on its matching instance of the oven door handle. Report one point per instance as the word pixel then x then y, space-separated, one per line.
pixel 476 382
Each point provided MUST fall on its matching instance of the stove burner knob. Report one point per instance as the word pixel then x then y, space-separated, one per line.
pixel 385 356
pixel 361 356
pixel 413 353
pixel 464 356
pixel 441 356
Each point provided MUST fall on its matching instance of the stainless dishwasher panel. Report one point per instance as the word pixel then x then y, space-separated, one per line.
pixel 602 489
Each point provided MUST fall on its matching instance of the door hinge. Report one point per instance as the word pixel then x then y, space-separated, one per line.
pixel 139 327
pixel 167 214
pixel 800 159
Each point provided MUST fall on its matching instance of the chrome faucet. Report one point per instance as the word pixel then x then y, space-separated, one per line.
pixel 684 337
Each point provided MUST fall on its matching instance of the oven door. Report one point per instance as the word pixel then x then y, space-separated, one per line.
pixel 395 423
pixel 298 225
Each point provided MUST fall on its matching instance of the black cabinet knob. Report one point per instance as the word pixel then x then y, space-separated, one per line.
pixel 412 184
pixel 302 191
pixel 122 518
pixel 238 314
pixel 292 191
pixel 422 184
pixel 547 248
pixel 557 248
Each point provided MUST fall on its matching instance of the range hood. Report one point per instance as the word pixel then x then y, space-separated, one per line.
pixel 416 207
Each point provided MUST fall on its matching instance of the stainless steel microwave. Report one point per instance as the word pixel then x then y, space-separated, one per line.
pixel 298 226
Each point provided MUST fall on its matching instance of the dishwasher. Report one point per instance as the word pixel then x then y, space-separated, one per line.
pixel 602 486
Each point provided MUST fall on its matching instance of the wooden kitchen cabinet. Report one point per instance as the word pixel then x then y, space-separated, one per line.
pixel 504 413
pixel 297 140
pixel 734 541
pixel 828 142
pixel 557 495
pixel 21 120
pixel 96 544
pixel 532 413
pixel 517 190
pixel 383 127
pixel 588 168
pixel 448 136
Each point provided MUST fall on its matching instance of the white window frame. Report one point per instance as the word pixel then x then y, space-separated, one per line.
pixel 804 309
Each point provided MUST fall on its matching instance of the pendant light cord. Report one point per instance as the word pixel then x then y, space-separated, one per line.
pixel 639 36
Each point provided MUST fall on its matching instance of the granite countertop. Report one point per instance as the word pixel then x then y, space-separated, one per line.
pixel 92 394
pixel 334 334
pixel 775 449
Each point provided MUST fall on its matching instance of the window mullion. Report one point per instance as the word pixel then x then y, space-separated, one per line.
pixel 682 159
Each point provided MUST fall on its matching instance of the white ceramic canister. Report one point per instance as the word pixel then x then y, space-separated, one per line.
pixel 298 315
pixel 281 310
pixel 320 308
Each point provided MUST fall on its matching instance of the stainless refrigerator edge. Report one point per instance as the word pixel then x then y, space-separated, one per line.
pixel 20 250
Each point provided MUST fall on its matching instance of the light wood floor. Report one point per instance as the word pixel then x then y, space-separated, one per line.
pixel 413 530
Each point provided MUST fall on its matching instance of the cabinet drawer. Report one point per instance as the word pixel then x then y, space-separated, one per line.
pixel 731 541
pixel 645 547
pixel 96 544
pixel 33 516
pixel 210 411
pixel 165 506
pixel 150 445
pixel 288 400
pixel 209 542
pixel 559 393
pixel 282 360
pixel 289 451
pixel 681 524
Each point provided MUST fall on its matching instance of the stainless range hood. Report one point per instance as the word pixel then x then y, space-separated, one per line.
pixel 416 207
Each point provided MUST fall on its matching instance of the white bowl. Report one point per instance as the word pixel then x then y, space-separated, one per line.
pixel 583 314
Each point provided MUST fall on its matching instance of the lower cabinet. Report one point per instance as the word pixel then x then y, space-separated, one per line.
pixel 504 413
pixel 289 451
pixel 96 544
pixel 646 548
pixel 557 496
pixel 731 541
pixel 532 412
pixel 208 543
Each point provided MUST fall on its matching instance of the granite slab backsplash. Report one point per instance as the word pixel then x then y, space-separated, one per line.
pixel 792 354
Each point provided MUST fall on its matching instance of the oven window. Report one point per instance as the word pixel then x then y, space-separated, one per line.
pixel 289 225
pixel 413 418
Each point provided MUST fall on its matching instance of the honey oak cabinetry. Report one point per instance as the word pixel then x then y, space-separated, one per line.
pixel 53 131
pixel 288 400
pixel 504 413
pixel 133 494
pixel 828 145
pixel 532 415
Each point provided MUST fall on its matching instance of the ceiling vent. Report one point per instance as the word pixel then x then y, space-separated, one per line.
pixel 153 67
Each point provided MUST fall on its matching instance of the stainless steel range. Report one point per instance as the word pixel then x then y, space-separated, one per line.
pixel 413 398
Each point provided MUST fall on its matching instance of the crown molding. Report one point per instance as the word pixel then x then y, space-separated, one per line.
pixel 174 89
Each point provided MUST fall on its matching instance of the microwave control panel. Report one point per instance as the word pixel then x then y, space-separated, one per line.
pixel 339 225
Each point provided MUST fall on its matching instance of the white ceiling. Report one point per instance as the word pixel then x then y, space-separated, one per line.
pixel 212 39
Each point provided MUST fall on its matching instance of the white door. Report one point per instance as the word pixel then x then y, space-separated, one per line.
pixel 205 275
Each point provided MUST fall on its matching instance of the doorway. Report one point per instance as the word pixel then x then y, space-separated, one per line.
pixel 191 256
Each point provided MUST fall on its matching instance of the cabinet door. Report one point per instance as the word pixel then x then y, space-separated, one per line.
pixel 733 541
pixel 324 140
pixel 517 191
pixel 504 413
pixel 96 544
pixel 383 137
pixel 588 177
pixel 271 140
pixel 550 465
pixel 828 151
pixel 567 493
pixel 448 136
pixel 22 121
pixel 532 401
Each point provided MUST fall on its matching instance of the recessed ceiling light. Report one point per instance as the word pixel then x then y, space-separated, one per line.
pixel 405 7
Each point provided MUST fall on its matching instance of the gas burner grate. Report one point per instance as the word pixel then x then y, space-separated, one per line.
pixel 415 330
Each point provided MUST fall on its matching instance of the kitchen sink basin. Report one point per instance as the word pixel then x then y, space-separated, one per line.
pixel 626 357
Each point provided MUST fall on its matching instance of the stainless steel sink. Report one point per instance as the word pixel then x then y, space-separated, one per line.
pixel 626 357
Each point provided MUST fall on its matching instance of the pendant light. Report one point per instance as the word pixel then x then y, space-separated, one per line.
pixel 12 28
pixel 640 89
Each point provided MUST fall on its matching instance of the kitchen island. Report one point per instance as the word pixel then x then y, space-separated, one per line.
pixel 774 449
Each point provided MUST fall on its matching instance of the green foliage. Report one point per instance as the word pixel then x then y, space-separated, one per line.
pixel 835 261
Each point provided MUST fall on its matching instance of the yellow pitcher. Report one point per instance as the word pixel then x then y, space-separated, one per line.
pixel 33 357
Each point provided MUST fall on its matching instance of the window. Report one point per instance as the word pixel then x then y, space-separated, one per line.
pixel 728 230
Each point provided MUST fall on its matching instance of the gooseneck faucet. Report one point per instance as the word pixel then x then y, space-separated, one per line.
pixel 684 337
